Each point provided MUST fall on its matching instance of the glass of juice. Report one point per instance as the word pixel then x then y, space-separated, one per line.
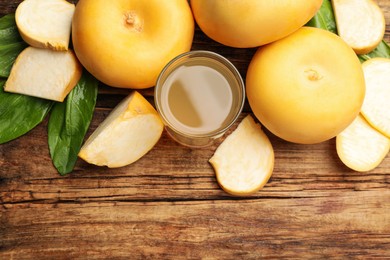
pixel 199 95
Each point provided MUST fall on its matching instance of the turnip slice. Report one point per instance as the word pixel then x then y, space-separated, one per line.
pixel 376 105
pixel 361 147
pixel 360 23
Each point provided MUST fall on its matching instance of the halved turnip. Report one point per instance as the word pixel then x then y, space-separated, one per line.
pixel 244 162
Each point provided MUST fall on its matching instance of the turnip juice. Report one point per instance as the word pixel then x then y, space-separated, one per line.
pixel 199 95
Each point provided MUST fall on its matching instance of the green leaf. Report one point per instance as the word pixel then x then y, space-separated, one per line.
pixel 8 30
pixel 8 55
pixel 19 113
pixel 11 44
pixel 69 122
pixel 382 50
pixel 324 18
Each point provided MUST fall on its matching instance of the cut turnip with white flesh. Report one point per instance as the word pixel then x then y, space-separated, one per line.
pixel 130 131
pixel 244 162
pixel 45 23
pixel 361 147
pixel 44 73
pixel 376 105
pixel 360 23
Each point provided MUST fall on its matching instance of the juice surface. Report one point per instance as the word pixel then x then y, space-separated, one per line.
pixel 197 99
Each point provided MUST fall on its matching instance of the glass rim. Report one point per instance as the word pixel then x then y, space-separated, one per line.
pixel 175 63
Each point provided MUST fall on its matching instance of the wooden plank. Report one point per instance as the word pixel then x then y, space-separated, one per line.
pixel 347 225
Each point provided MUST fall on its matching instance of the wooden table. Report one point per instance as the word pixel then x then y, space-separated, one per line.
pixel 169 205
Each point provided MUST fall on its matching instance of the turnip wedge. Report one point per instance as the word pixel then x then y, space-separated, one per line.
pixel 45 23
pixel 360 23
pixel 244 162
pixel 44 73
pixel 361 147
pixel 376 105
pixel 130 131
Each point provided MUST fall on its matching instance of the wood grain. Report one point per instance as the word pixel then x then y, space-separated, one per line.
pixel 168 204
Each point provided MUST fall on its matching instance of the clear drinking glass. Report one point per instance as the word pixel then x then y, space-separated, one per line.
pixel 199 95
